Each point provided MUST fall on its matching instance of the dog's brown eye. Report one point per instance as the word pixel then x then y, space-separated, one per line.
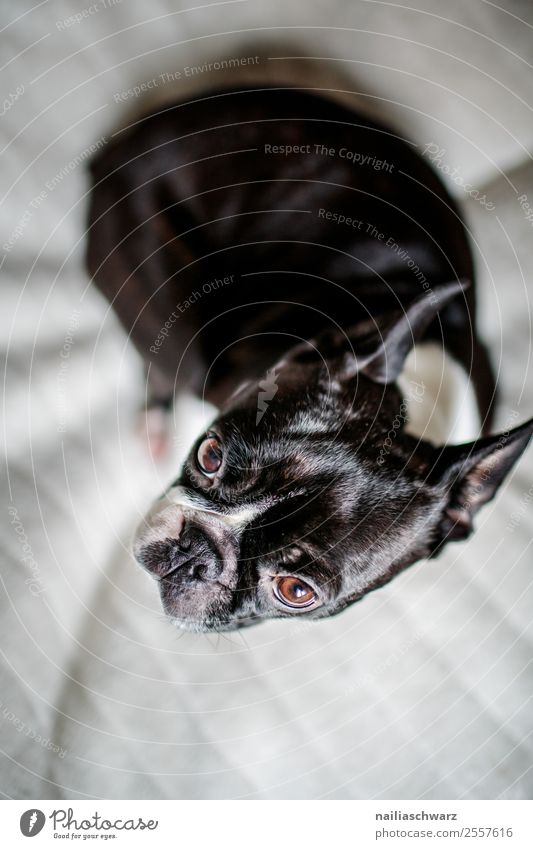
pixel 209 456
pixel 294 592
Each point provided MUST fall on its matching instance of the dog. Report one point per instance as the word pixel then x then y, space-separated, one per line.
pixel 278 253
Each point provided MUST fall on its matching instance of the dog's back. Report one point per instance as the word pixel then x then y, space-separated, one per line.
pixel 265 209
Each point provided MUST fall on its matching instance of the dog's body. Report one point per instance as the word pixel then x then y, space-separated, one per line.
pixel 197 210
pixel 228 230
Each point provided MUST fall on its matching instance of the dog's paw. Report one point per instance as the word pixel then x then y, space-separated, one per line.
pixel 155 430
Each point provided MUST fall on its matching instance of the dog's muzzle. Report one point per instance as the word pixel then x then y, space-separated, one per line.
pixel 193 556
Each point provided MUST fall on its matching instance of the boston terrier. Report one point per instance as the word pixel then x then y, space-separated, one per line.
pixel 277 252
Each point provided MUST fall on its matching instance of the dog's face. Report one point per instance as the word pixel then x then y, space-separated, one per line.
pixel 288 505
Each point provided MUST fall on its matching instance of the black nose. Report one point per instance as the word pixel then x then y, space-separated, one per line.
pixel 188 559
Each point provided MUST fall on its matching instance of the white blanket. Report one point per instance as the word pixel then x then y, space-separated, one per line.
pixel 421 690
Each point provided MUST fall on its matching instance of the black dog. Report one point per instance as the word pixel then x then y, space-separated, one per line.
pixel 279 254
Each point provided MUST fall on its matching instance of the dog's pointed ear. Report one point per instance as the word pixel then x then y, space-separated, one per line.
pixel 401 331
pixel 378 347
pixel 472 474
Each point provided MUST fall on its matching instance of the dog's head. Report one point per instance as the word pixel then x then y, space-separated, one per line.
pixel 289 505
